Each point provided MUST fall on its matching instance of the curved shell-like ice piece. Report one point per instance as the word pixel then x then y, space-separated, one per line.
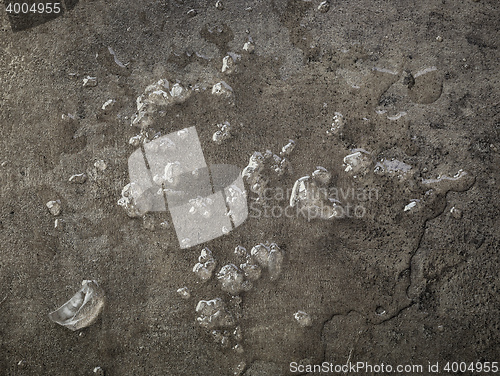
pixel 82 309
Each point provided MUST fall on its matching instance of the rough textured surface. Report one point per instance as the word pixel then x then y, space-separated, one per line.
pixel 389 286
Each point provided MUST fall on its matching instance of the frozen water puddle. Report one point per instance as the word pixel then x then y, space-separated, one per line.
pixel 82 309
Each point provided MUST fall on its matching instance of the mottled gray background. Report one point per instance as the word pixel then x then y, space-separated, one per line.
pixel 435 276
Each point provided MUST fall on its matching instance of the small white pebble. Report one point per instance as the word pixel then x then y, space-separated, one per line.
pixel 219 5
pixel 439 38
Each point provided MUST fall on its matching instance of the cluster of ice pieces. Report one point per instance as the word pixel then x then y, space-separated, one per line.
pixel 223 133
pixel 157 95
pixel 206 264
pixel 254 172
pixel 311 196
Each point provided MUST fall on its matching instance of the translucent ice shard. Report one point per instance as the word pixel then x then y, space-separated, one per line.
pixel 303 318
pixel 213 314
pixel 311 198
pixel 205 266
pixel 232 280
pixel 82 309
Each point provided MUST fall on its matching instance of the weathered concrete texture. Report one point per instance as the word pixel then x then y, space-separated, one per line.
pixel 392 285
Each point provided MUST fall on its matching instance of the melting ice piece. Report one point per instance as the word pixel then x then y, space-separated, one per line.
pixel 251 270
pixel 356 162
pixel 411 205
pixel 288 148
pixel 270 257
pixel 89 81
pixel 213 314
pixel 240 251
pixel 82 309
pixel 261 254
pixel 228 65
pixel 303 318
pixel 223 133
pixel 205 266
pixel 392 166
pixel 54 207
pixel 249 46
pixel 232 280
pixel 337 124
pixel 275 261
pixel 78 178
pixel 184 293
pixel 222 89
pixel 321 175
pixel 134 200
pixel 312 201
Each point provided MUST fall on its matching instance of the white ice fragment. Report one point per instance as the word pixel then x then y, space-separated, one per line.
pixel 228 65
pixel 108 104
pixel 303 318
pixel 223 133
pixel 411 205
pixel 240 251
pixel 54 207
pixel 249 46
pixel 222 89
pixel 82 309
pixel 135 141
pixel 133 200
pixel 337 124
pixel 324 6
pixel 100 165
pixel 456 213
pixel 213 314
pixel 261 254
pixel 205 266
pixel 232 280
pixel 184 293
pixel 251 270
pixel 288 148
pixel 90 81
pixel 356 162
pixel 78 178
pixel 321 175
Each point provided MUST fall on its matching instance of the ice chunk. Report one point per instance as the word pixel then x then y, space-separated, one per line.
pixel 303 318
pixel 54 207
pixel 90 81
pixel 205 266
pixel 232 280
pixel 184 293
pixel 213 314
pixel 82 309
pixel 78 178
pixel 222 89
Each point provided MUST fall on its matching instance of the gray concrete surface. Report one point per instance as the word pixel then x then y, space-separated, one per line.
pixel 391 286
